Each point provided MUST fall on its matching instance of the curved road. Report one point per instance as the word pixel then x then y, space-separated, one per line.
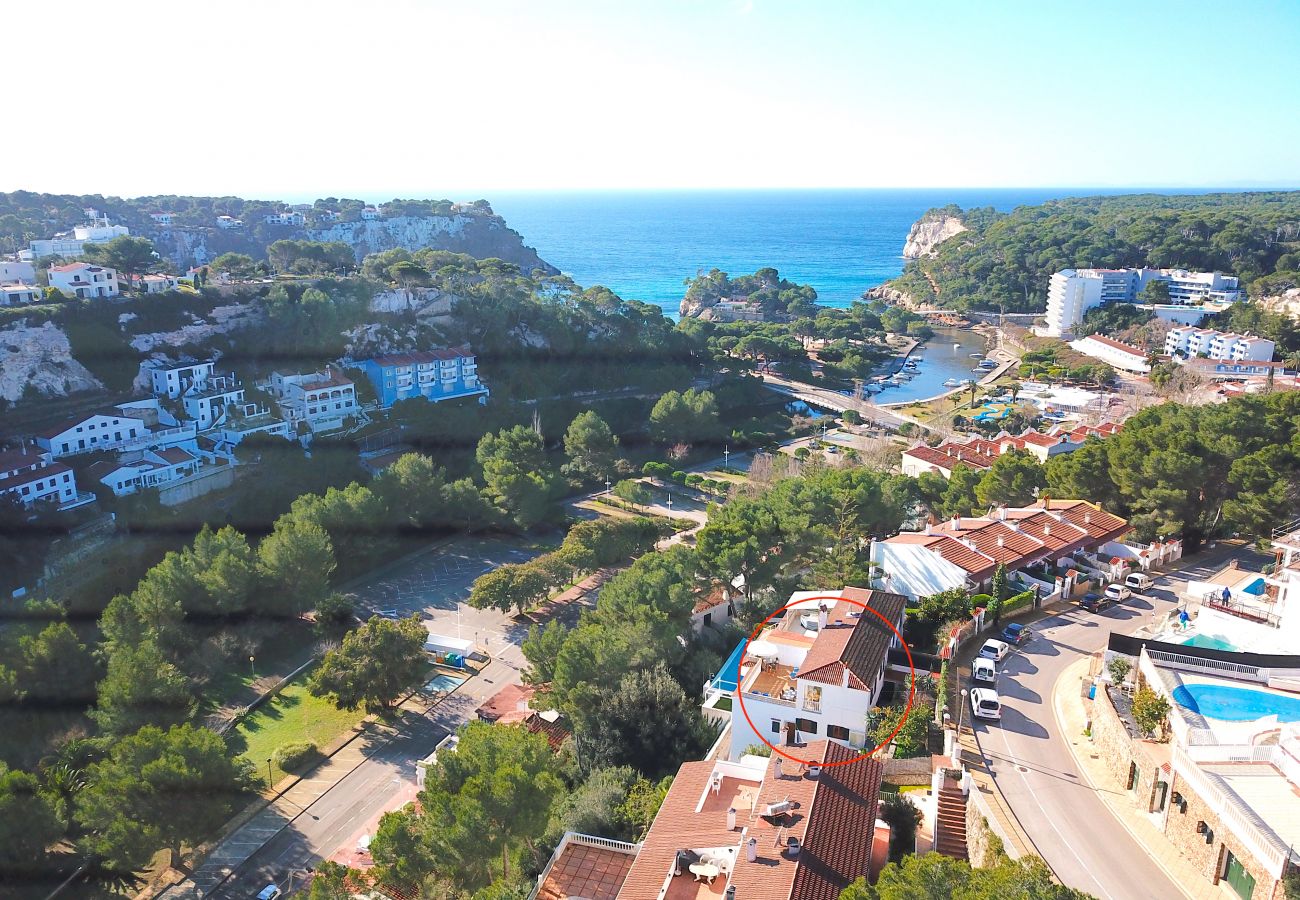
pixel 1070 826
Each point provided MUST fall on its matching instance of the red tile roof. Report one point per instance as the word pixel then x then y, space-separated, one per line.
pixel 931 456
pixel 1057 535
pixel 853 639
pixel 22 478
pixel 581 870
pixel 999 541
pixel 1100 525
pixel 833 816
pixel 174 455
pixel 19 459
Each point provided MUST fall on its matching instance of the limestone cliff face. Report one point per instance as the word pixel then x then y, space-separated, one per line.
pixel 481 235
pixel 929 232
pixel 39 358
pixel 892 296
pixel 1287 303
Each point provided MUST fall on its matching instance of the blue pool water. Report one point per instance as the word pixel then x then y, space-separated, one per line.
pixel 444 683
pixel 1232 704
pixel 1209 642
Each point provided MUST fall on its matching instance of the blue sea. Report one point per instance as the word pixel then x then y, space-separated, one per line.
pixel 644 246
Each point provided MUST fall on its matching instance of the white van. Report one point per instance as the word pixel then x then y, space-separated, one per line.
pixel 983 669
pixel 1139 581
pixel 984 703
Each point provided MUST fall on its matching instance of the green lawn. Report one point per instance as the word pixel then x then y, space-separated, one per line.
pixel 295 715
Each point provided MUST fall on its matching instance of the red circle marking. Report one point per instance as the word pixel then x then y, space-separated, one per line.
pixel 911 694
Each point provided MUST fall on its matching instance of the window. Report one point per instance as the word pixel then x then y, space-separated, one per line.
pixel 776 726
pixel 812 698
pixel 837 732
pixel 807 726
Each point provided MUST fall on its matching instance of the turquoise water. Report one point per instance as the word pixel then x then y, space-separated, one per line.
pixel 443 683
pixel 1232 704
pixel 1209 642
pixel 643 246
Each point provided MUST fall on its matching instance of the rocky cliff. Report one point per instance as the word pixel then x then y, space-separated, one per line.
pixel 37 359
pixel 1287 303
pixel 478 234
pixel 930 231
pixel 893 296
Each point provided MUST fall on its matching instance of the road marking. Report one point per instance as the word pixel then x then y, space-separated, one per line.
pixel 1050 821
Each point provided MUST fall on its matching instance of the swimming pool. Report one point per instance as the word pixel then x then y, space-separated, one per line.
pixel 1233 704
pixel 1209 642
pixel 444 683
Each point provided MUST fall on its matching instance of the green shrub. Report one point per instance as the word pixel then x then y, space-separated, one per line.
pixel 296 756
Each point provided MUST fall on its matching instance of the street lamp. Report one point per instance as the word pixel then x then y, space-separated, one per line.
pixel 670 504
pixel 608 485
pixel 251 669
pixel 270 779
pixel 726 457
pixel 961 711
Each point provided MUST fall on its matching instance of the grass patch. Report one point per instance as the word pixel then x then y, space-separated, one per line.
pixel 295 715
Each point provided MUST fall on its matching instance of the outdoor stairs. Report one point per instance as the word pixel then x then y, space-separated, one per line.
pixel 950 827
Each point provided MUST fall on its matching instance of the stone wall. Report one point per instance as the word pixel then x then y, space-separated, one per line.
pixel 1110 737
pixel 1211 858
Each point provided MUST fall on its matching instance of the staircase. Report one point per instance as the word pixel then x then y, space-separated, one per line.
pixel 950 825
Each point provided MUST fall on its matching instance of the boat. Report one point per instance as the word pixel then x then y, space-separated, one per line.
pixel 874 388
pixel 975 355
pixel 956 346
pixel 988 364
pixel 952 382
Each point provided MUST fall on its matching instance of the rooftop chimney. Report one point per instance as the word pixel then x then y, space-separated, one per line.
pixel 1047 529
pixel 814 771
pixel 956 523
pixel 1002 540
pixel 731 819
pixel 731 892
pixel 751 849
pixel 821 617
pixel 776 768
pixel 1002 513
pixel 792 845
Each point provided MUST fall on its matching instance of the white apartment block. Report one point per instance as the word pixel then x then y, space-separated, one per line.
pixel 173 381
pixel 1072 292
pixel 111 430
pixel 84 281
pixel 817 674
pixel 1188 342
pixel 30 477
pixel 1116 354
pixel 73 244
pixel 370 214
pixel 161 218
pixel 285 218
pixel 228 222
pixel 207 403
pixel 321 399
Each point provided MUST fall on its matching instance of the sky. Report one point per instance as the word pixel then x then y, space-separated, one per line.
pixel 290 99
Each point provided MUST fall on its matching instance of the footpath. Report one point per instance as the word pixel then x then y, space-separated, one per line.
pixel 1071 718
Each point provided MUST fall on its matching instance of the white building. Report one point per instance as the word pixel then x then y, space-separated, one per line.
pixel 17 270
pixel 30 477
pixel 1188 342
pixel 207 403
pixel 320 399
pixel 287 217
pixel 145 469
pixel 174 380
pixel 161 218
pixel 112 430
pixel 1116 354
pixel 1072 292
pixel 228 222
pixel 84 281
pixel 818 673
pixel 370 214
pixel 72 245
pixel 157 284
pixel 14 293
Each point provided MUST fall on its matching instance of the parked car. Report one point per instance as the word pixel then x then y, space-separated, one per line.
pixel 982 669
pixel 1093 602
pixel 995 650
pixel 1139 581
pixel 984 703
pixel 1118 592
pixel 1016 634
pixel 270 892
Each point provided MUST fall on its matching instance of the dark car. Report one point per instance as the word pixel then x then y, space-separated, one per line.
pixel 1015 634
pixel 1093 602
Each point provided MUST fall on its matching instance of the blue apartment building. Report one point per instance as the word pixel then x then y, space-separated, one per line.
pixel 432 374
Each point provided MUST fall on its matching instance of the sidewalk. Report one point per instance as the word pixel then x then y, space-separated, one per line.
pixel 1070 719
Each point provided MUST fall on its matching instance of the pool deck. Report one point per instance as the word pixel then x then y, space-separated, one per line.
pixel 1225 731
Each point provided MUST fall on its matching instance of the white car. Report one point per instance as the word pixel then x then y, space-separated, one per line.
pixel 1118 592
pixel 984 703
pixel 983 669
pixel 1139 581
pixel 995 650
pixel 270 892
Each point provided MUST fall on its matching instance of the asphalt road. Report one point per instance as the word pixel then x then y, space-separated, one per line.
pixel 1069 824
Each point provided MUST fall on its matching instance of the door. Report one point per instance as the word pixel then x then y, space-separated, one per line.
pixel 1238 878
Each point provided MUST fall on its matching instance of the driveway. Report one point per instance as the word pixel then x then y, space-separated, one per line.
pixel 1030 759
